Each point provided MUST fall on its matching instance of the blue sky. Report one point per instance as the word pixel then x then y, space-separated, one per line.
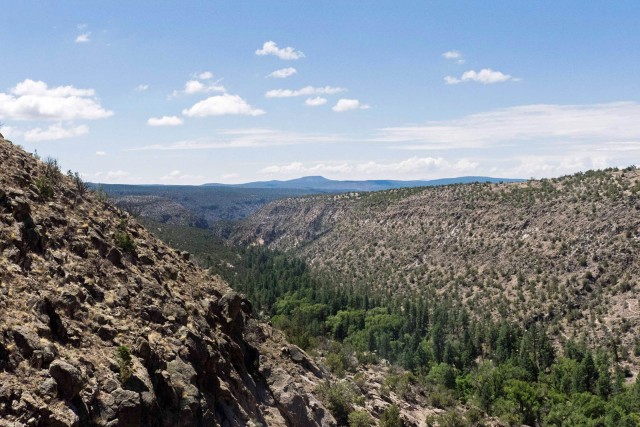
pixel 187 92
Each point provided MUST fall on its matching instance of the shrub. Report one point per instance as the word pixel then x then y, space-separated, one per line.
pixel 81 187
pixel 125 242
pixel 339 398
pixel 391 417
pixel 44 187
pixel 52 170
pixel 360 419
pixel 125 363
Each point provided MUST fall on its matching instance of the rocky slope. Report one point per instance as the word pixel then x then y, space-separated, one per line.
pixel 565 251
pixel 101 324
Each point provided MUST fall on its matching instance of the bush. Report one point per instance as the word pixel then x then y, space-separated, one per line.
pixel 125 242
pixel 125 363
pixel 391 417
pixel 339 398
pixel 52 170
pixel 360 419
pixel 81 187
pixel 44 187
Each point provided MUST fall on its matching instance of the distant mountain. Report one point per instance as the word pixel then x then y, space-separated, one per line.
pixel 203 205
pixel 322 184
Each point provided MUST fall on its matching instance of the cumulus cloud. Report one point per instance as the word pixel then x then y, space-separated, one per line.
pixel 196 86
pixel 539 123
pixel 315 102
pixel 165 121
pixel 222 105
pixel 101 153
pixel 141 88
pixel 349 104
pixel 454 55
pixel 484 76
pixel 205 75
pixel 84 37
pixel 246 138
pixel 283 73
pixel 35 100
pixel 287 53
pixel 55 132
pixel 199 84
pixel 305 91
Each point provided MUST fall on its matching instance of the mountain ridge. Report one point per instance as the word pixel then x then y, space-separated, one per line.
pixel 560 250
pixel 317 182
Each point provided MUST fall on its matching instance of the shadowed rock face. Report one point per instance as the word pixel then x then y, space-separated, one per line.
pixel 79 278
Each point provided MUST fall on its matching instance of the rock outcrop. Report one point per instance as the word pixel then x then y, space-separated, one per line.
pixel 102 324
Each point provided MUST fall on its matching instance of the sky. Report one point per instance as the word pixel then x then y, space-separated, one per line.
pixel 192 92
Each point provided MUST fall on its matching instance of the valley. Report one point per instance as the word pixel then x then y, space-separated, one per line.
pixel 519 281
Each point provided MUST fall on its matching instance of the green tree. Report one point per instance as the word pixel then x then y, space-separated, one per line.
pixel 391 417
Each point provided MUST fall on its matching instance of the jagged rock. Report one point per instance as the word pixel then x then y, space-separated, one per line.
pixel 74 298
pixel 68 378
pixel 127 408
pixel 26 340
pixel 48 387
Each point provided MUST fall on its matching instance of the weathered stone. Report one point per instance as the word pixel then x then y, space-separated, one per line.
pixel 48 387
pixel 26 339
pixel 115 256
pixel 128 408
pixel 68 377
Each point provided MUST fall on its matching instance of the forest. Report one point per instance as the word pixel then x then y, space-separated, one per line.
pixel 493 367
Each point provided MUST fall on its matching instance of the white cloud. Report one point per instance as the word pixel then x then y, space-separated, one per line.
pixel 454 55
pixel 84 37
pixel 117 175
pixel 195 86
pixel 246 138
pixel 222 105
pixel 540 123
pixel 205 75
pixel 422 165
pixel 315 102
pixel 178 176
pixel 101 153
pixel 287 53
pixel 484 76
pixel 283 73
pixel 412 168
pixel 305 91
pixel 33 100
pixel 165 121
pixel 55 132
pixel 141 88
pixel 348 104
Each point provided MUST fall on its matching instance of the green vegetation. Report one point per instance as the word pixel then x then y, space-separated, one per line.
pixel 79 184
pixel 44 187
pixel 340 398
pixel 49 179
pixel 391 417
pixel 499 367
pixel 502 325
pixel 125 242
pixel 125 363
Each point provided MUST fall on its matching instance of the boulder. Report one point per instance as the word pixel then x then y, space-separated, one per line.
pixel 68 378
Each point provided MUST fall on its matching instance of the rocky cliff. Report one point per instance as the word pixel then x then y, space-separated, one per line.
pixel 101 324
